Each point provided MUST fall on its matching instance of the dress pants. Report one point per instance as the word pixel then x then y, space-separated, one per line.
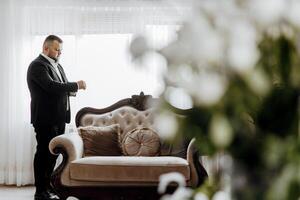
pixel 44 161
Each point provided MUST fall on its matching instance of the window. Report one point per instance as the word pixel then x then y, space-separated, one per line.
pixel 104 62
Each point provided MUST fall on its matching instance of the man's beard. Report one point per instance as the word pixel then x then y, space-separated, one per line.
pixel 55 59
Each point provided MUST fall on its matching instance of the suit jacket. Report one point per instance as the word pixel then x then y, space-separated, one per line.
pixel 49 96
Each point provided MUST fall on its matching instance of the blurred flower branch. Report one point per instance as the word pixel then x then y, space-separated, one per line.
pixel 238 63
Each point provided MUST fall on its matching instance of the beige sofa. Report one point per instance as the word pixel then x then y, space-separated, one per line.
pixel 118 177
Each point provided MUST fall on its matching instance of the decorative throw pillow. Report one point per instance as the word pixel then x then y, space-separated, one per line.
pixel 100 141
pixel 141 142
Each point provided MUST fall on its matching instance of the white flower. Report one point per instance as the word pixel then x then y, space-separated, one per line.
pixel 206 44
pixel 258 82
pixel 178 98
pixel 221 195
pixel 210 7
pixel 166 125
pixel 176 53
pixel 166 179
pixel 207 88
pixel 242 51
pixel 243 31
pixel 201 196
pixel 293 14
pixel 221 11
pixel 242 57
pixel 180 75
pixel 210 48
pixel 181 193
pixel 267 12
pixel 221 132
pixel 138 47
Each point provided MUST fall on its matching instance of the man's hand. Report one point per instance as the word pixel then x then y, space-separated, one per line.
pixel 81 85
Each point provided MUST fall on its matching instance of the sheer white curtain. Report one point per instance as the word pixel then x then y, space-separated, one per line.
pixel 96 36
pixel 16 138
pixel 104 16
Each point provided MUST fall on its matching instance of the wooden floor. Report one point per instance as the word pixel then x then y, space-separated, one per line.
pixel 19 193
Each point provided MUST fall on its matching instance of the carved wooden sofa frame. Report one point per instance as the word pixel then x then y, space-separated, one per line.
pixel 94 192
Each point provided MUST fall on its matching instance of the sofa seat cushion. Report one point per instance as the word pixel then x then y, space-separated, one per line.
pixel 126 169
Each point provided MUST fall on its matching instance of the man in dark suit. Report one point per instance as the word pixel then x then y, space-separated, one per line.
pixel 50 109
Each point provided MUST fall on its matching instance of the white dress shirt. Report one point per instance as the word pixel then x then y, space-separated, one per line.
pixel 55 66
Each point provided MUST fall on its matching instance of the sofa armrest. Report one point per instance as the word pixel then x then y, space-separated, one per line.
pixel 71 143
pixel 190 159
pixel 198 173
pixel 190 150
pixel 71 147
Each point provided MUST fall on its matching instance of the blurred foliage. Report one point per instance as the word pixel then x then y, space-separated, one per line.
pixel 265 145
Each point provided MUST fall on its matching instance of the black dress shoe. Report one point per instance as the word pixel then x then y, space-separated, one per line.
pixel 43 196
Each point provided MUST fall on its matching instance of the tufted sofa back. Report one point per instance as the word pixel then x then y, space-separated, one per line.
pixel 127 117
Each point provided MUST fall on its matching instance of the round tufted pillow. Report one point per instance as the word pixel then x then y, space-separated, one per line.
pixel 141 142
